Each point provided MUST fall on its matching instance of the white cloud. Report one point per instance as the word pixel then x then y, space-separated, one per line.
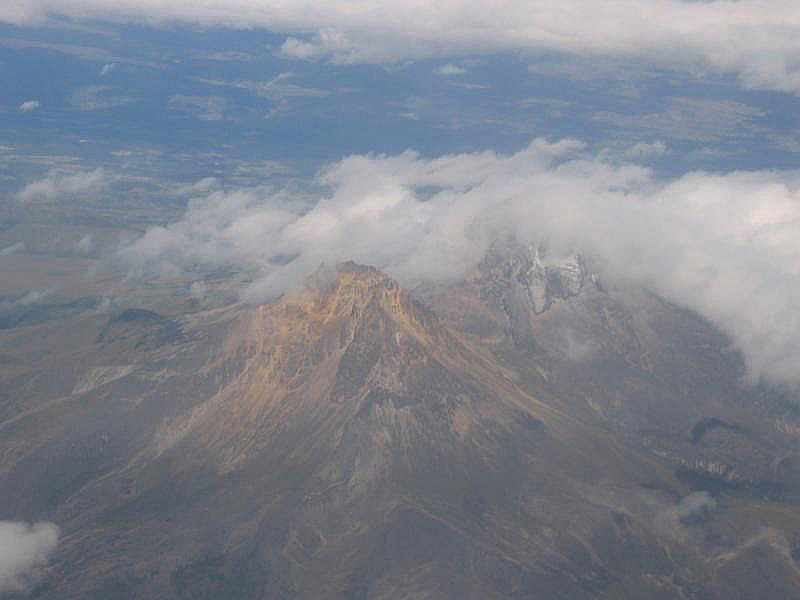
pixel 758 40
pixel 300 50
pixel 13 249
pixel 59 184
pixel 646 149
pixel 29 105
pixel 98 97
pixel 86 245
pixel 277 89
pixel 205 185
pixel 727 246
pixel 205 108
pixel 449 70
pixel 264 168
pixel 23 549
pixel 29 299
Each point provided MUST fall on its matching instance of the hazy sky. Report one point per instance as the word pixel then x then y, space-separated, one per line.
pixel 659 136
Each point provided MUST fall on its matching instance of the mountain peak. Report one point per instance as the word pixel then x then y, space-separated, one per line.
pixel 348 293
pixel 349 330
pixel 348 283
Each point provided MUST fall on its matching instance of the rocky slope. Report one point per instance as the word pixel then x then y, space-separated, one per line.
pixel 347 441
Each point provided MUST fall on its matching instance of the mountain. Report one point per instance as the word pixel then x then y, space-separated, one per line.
pixel 529 432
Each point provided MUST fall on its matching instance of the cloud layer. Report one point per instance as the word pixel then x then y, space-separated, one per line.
pixel 58 184
pixel 23 549
pixel 727 246
pixel 758 40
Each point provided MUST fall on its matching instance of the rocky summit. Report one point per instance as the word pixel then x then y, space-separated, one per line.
pixel 355 440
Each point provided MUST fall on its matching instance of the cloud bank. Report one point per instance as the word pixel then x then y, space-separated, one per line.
pixel 58 184
pixel 758 40
pixel 23 549
pixel 726 246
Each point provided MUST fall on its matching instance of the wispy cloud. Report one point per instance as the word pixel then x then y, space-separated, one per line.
pixel 265 168
pixel 645 149
pixel 29 105
pixel 29 299
pixel 276 88
pixel 98 97
pixel 449 70
pixel 13 249
pixel 692 119
pixel 87 53
pixel 58 184
pixel 224 55
pixel 455 113
pixel 205 108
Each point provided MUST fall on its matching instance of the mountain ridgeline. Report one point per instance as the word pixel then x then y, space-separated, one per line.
pixel 524 433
